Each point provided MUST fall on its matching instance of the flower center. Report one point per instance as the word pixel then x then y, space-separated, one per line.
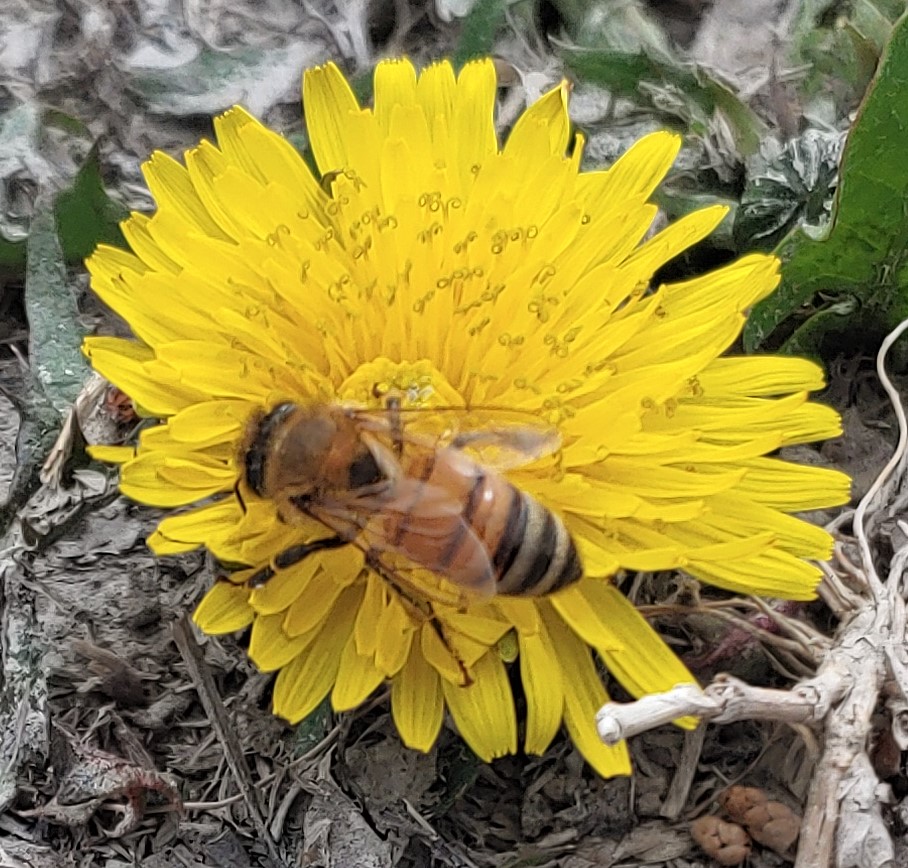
pixel 417 384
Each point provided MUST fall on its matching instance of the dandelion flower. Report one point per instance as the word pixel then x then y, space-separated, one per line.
pixel 431 259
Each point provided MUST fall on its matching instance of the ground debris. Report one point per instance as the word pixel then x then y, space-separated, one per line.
pixel 652 843
pixel 337 835
pixel 93 780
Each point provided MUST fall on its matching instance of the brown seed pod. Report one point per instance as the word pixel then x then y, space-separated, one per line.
pixel 725 842
pixel 770 823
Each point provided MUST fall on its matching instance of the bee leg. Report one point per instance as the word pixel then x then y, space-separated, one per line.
pixel 422 610
pixel 397 425
pixel 392 406
pixel 239 497
pixel 294 555
pixel 465 678
pixel 328 179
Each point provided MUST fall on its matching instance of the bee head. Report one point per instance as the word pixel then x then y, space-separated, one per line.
pixel 288 449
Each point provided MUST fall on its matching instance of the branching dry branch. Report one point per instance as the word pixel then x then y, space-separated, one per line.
pixel 843 823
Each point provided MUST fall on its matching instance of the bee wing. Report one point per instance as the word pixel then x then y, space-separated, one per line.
pixel 496 437
pixel 434 501
pixel 378 525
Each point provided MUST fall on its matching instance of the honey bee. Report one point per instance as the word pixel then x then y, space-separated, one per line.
pixel 414 500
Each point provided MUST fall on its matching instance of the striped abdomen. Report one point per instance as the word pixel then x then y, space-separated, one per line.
pixel 470 525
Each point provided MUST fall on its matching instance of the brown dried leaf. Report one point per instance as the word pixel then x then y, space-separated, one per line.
pixel 97 779
pixel 115 677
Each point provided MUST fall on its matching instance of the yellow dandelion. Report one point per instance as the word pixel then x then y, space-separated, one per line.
pixel 431 261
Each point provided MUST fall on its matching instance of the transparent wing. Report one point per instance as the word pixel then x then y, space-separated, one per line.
pixel 409 548
pixel 399 497
pixel 496 437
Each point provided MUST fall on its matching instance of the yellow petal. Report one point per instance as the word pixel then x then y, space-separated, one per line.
pixel 635 174
pixel 172 189
pixel 312 602
pixel 266 155
pixel 396 631
pixel 306 681
pixel 357 677
pixel 188 530
pixel 760 376
pixel 224 609
pixel 417 703
pixel 161 481
pixel 212 422
pixel 287 586
pixel 522 612
pixel 439 655
pixel 591 622
pixel 484 710
pixel 270 647
pixel 543 129
pixel 328 102
pixel 395 86
pixel 112 454
pixel 540 672
pixel 645 664
pixel 584 695
pixel 124 364
pixel 681 235
pixel 482 628
pixel 476 87
pixel 375 601
pixel 793 487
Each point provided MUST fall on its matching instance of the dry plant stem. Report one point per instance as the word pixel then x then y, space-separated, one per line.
pixel 726 700
pixel 679 789
pixel 872 642
pixel 836 595
pixel 859 657
pixel 217 715
pixel 873 580
pixel 843 823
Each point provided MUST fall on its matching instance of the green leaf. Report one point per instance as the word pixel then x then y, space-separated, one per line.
pixel 43 151
pixel 86 215
pixel 312 730
pixel 480 28
pixel 57 367
pixel 673 88
pixel 55 332
pixel 861 254
pixel 788 186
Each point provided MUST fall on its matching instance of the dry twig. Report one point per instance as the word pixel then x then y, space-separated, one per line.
pixel 217 715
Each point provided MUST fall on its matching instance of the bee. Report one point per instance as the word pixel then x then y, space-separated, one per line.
pixel 414 497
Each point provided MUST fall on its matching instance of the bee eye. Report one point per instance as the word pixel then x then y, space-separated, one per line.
pixel 364 471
